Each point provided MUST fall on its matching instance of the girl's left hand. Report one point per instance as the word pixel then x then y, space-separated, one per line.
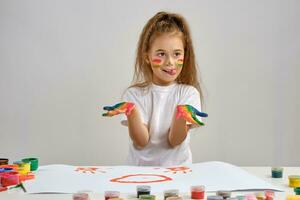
pixel 189 113
pixel 119 108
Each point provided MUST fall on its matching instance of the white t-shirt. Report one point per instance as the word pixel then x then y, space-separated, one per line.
pixel 157 106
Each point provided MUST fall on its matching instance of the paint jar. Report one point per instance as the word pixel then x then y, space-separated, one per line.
pixel 241 197
pixel 214 198
pixel 171 193
pixel 3 161
pixel 34 163
pixel 147 197
pixel 250 197
pixel 297 190
pixel 260 196
pixel 14 167
pixel 223 193
pixel 294 181
pixel 88 192
pixel 111 194
pixel 197 192
pixel 293 197
pixel 143 190
pixel 277 172
pixel 2 188
pixel 23 168
pixel 269 195
pixel 6 169
pixel 174 198
pixel 9 179
pixel 80 196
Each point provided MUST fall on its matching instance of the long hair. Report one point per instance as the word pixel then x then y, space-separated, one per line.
pixel 161 23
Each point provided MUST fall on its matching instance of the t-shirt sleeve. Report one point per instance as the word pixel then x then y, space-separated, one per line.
pixel 191 97
pixel 135 96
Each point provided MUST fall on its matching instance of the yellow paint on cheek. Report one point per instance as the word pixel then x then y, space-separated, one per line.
pixel 156 62
pixel 179 63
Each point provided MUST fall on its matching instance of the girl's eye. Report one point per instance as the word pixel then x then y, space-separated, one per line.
pixel 161 54
pixel 177 54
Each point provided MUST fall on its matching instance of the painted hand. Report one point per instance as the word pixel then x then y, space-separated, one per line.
pixel 119 108
pixel 189 113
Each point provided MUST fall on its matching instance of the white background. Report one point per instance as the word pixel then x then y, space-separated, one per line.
pixel 61 61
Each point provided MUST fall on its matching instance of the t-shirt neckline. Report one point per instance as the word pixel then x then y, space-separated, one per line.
pixel 163 88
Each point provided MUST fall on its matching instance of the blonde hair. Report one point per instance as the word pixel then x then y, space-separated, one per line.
pixel 160 23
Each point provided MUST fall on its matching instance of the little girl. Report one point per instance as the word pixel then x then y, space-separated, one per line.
pixel 161 106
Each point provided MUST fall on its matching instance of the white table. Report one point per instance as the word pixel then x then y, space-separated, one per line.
pixel 262 172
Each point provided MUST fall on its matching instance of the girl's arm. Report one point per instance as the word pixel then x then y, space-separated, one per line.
pixel 179 129
pixel 138 131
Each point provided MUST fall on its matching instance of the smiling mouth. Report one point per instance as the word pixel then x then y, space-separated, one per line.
pixel 171 72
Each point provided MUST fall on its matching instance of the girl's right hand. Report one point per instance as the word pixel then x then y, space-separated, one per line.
pixel 119 108
pixel 189 113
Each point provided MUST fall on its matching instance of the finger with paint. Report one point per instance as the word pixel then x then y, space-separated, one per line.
pixel 119 108
pixel 189 113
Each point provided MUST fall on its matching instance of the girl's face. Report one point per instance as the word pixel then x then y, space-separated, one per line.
pixel 166 57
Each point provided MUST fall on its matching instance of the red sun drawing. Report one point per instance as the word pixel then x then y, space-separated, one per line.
pixel 141 178
pixel 182 169
pixel 92 170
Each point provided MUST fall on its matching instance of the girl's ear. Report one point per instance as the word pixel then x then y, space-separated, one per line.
pixel 147 59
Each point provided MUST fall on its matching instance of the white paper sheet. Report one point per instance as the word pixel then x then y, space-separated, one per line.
pixel 213 175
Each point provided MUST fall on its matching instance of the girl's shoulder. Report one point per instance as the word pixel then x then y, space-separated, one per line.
pixel 136 91
pixel 189 89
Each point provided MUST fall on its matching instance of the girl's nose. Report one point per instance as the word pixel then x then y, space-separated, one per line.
pixel 170 61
